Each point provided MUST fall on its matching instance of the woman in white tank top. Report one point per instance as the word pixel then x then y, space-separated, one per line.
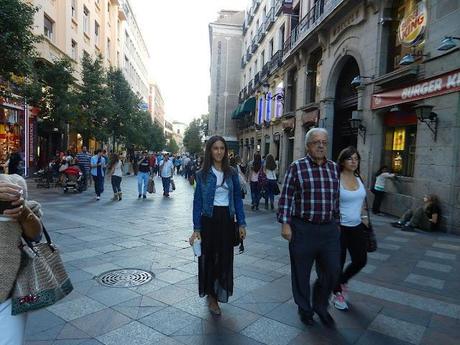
pixel 352 238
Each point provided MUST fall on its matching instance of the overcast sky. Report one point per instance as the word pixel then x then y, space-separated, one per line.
pixel 177 36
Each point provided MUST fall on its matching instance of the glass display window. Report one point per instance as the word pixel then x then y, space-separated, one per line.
pixel 399 149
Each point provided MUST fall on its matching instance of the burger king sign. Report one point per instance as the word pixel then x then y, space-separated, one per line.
pixel 412 27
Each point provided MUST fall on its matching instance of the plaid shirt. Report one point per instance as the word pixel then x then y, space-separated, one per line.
pixel 310 192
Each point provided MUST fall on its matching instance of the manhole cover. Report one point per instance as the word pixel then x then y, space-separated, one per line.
pixel 125 278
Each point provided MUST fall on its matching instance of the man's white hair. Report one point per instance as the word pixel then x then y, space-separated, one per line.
pixel 313 131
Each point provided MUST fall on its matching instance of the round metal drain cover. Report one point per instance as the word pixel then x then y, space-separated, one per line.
pixel 125 278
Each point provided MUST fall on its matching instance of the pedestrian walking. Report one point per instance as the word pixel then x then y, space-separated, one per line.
pixel 153 164
pixel 106 158
pixel 352 223
pixel 166 173
pixel 308 210
pixel 254 173
pixel 177 164
pixel 21 219
pixel 143 175
pixel 379 188
pixel 425 218
pixel 97 171
pixel 84 162
pixel 216 203
pixel 115 169
pixel 272 182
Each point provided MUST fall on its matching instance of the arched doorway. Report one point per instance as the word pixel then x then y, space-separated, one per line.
pixel 346 101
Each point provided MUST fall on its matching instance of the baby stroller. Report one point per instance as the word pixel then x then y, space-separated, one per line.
pixel 74 179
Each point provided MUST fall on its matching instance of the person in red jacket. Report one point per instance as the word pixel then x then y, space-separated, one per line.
pixel 153 163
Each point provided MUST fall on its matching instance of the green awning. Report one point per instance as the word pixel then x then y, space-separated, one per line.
pixel 248 106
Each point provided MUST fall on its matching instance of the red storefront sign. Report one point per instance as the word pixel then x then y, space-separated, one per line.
pixel 439 85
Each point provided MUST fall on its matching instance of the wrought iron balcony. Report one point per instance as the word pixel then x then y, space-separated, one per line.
pixel 254 45
pixel 317 14
pixel 260 33
pixel 247 121
pixel 248 55
pixel 291 40
pixel 265 72
pixel 278 7
pixel 276 61
pixel 250 88
pixel 243 62
pixel 270 19
pixel 255 4
pixel 257 80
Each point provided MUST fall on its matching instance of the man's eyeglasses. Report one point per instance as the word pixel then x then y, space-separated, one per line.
pixel 319 142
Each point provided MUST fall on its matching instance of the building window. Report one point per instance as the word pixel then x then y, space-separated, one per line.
pixel 270 49
pixel 400 142
pixel 74 50
pixel 74 8
pixel 96 32
pixel 85 20
pixel 108 48
pixel 108 8
pixel 48 27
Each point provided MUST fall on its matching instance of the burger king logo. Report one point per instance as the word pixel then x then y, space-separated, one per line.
pixel 412 27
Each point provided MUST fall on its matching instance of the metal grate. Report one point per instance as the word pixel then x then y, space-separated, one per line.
pixel 125 278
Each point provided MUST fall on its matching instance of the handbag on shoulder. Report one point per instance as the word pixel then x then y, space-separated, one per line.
pixel 42 279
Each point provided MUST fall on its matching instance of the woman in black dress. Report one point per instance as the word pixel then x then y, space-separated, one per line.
pixel 217 203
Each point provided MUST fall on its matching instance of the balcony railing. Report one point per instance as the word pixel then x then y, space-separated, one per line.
pixel 270 19
pixel 255 4
pixel 260 33
pixel 248 54
pixel 254 45
pixel 278 7
pixel 250 88
pixel 317 14
pixel 276 61
pixel 265 72
pixel 243 62
pixel 257 80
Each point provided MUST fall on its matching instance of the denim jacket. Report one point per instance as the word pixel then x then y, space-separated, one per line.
pixel 203 200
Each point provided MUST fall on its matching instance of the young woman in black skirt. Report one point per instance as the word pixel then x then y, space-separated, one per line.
pixel 217 215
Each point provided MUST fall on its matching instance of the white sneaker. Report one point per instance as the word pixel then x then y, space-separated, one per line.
pixel 339 301
pixel 98 198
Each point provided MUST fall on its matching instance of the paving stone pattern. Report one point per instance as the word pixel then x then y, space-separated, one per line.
pixel 407 294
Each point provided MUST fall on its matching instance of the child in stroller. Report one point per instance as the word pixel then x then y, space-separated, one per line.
pixel 74 178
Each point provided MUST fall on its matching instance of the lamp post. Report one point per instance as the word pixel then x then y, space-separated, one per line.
pixel 430 119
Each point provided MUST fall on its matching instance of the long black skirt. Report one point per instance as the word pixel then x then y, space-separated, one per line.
pixel 215 265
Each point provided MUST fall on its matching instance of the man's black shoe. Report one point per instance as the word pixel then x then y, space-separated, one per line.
pixel 407 228
pixel 397 225
pixel 306 318
pixel 326 318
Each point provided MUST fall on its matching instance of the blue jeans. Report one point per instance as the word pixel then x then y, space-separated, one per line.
pixel 142 177
pixel 166 182
pixel 255 194
pixel 98 184
pixel 271 191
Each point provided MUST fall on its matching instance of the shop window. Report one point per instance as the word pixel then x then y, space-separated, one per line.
pixel 48 25
pixel 399 149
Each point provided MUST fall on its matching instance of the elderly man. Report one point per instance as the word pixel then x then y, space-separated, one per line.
pixel 309 214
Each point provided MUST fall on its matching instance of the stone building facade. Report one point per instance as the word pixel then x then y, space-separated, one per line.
pixel 375 75
pixel 225 39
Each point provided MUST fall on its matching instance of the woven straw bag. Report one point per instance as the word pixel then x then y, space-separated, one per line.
pixel 42 279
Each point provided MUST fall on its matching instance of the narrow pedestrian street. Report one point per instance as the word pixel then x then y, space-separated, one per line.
pixel 407 293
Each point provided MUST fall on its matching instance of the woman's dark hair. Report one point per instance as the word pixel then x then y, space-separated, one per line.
pixel 346 154
pixel 270 163
pixel 257 163
pixel 433 200
pixel 113 160
pixel 208 161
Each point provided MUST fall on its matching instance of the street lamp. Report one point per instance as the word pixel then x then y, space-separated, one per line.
pixel 409 59
pixel 430 119
pixel 356 124
pixel 448 43
pixel 358 80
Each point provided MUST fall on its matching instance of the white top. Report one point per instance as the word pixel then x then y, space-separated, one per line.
pixel 167 167
pixel 271 174
pixel 254 176
pixel 351 203
pixel 380 181
pixel 117 169
pixel 221 196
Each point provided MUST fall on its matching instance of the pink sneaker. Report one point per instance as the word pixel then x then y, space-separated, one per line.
pixel 339 301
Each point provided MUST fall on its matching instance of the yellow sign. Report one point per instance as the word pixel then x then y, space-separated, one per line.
pixel 399 139
pixel 412 27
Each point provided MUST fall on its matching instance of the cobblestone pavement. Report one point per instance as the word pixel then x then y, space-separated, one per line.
pixel 407 294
